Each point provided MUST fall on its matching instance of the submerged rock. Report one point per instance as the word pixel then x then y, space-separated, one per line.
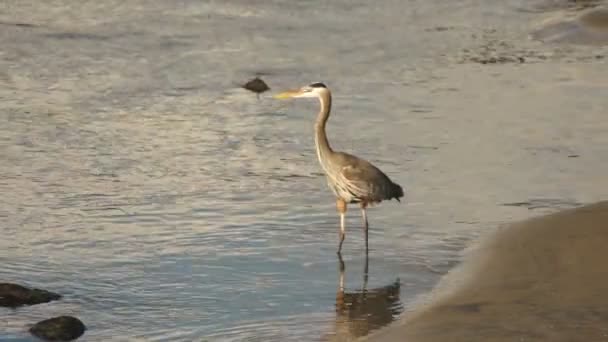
pixel 62 328
pixel 588 28
pixel 13 295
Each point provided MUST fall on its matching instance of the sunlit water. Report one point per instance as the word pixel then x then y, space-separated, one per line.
pixel 165 203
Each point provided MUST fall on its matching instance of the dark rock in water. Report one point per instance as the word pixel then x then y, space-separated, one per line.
pixel 13 295
pixel 256 85
pixel 62 328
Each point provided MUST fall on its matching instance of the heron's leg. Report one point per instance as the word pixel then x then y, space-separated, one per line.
pixel 341 206
pixel 365 224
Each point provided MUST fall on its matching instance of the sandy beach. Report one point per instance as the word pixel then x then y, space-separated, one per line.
pixel 543 279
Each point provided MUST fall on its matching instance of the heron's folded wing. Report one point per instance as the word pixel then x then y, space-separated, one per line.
pixel 358 181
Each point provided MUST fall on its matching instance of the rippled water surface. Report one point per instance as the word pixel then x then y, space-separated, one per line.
pixel 167 204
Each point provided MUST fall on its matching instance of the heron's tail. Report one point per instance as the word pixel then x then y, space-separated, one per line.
pixel 397 191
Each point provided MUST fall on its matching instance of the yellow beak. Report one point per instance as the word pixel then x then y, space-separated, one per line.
pixel 287 94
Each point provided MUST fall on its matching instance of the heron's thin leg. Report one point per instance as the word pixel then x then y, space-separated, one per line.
pixel 341 206
pixel 365 224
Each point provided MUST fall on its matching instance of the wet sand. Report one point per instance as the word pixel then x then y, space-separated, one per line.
pixel 544 279
pixel 588 27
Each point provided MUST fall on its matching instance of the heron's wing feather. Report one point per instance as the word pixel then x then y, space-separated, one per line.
pixel 362 182
pixel 365 181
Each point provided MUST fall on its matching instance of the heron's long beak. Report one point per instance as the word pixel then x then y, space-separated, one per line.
pixel 287 94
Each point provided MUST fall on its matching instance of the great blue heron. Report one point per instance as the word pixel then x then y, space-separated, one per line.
pixel 352 179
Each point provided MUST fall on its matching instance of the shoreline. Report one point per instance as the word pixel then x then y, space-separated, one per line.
pixel 541 279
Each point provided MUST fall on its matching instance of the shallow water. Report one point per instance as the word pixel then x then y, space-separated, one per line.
pixel 166 203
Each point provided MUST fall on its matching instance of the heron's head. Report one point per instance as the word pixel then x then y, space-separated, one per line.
pixel 311 90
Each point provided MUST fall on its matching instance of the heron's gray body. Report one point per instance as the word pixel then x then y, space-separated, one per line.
pixel 357 180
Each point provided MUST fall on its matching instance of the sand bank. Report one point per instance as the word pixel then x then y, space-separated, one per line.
pixel 544 279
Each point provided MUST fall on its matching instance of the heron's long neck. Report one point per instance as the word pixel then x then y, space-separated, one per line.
pixel 321 142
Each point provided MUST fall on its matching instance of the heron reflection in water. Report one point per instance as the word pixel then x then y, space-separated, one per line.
pixel 359 312
pixel 352 179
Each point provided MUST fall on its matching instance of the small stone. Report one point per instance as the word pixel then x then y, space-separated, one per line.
pixel 256 85
pixel 62 328
pixel 14 295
